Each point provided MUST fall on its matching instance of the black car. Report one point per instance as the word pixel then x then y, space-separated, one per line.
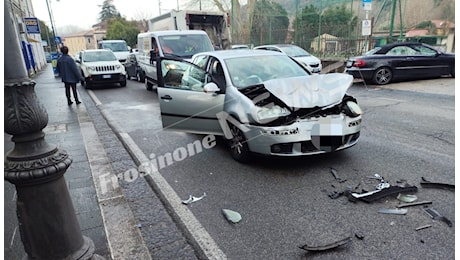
pixel 133 69
pixel 401 61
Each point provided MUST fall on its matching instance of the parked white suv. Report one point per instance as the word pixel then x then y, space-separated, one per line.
pixel 101 67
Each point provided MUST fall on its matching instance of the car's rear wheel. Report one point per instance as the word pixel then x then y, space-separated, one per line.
pixel 452 71
pixel 238 145
pixel 383 76
pixel 141 76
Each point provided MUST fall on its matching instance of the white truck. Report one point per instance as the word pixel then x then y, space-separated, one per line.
pixel 175 43
pixel 215 24
pixel 118 47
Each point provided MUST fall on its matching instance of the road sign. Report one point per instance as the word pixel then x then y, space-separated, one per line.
pixel 367 5
pixel 366 27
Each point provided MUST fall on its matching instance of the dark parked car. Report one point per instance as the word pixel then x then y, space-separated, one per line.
pixel 48 57
pixel 401 61
pixel 133 69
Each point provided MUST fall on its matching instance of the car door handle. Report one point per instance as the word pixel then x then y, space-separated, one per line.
pixel 166 97
pixel 409 58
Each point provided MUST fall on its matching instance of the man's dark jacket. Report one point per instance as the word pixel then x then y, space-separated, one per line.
pixel 68 70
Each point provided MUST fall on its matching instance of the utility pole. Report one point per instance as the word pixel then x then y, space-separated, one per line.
pixel 47 222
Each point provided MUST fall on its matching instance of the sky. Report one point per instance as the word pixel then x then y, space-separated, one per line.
pixel 84 13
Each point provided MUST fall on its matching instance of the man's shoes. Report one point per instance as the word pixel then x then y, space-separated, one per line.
pixel 69 102
pixel 78 102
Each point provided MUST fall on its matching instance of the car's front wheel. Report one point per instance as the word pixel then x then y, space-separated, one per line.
pixel 123 83
pixel 452 72
pixel 383 76
pixel 239 148
pixel 140 76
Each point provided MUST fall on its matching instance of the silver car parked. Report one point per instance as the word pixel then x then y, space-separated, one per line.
pixel 261 101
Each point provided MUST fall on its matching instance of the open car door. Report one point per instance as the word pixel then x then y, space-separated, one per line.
pixel 187 101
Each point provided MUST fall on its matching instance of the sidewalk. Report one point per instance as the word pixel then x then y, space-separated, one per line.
pixel 119 230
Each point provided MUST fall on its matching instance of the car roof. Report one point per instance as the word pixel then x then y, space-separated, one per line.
pixel 386 47
pixel 96 50
pixel 172 32
pixel 225 54
pixel 277 45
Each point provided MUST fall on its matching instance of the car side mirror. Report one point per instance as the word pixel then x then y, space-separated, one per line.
pixel 211 87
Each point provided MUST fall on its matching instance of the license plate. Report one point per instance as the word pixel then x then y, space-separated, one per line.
pixel 349 63
pixel 106 76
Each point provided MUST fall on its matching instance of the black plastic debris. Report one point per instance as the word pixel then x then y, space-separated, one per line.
pixel 429 184
pixel 334 173
pixel 329 246
pixel 378 194
pixel 414 204
pixel 434 214
pixel 359 236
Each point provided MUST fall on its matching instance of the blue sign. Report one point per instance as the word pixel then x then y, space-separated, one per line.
pixel 32 25
pixel 367 1
pixel 58 39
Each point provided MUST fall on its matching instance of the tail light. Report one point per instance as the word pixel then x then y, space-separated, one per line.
pixel 359 63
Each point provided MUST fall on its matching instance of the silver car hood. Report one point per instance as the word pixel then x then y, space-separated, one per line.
pixel 317 90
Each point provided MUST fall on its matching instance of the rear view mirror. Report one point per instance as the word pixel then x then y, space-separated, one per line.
pixel 211 88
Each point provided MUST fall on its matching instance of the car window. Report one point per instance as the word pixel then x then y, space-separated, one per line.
pixel 248 71
pixel 401 51
pixel 423 50
pixel 295 51
pixel 181 75
pixel 200 61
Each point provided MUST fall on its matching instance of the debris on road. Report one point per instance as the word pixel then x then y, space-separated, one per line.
pixel 327 246
pixel 406 197
pixel 232 216
pixel 378 194
pixel 192 199
pixel 434 214
pixel 414 204
pixel 422 227
pixel 334 173
pixel 429 184
pixel 393 211
pixel 359 236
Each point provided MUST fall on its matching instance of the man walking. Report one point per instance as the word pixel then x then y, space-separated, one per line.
pixel 69 73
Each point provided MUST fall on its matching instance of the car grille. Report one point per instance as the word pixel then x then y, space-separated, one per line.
pixel 105 68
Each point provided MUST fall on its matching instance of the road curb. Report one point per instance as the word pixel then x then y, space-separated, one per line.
pixel 123 237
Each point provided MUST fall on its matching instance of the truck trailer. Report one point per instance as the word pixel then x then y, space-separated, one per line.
pixel 216 25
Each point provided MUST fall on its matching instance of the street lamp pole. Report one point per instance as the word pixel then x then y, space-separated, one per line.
pixel 47 221
pixel 52 25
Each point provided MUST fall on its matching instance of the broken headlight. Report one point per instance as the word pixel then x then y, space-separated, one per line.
pixel 268 114
pixel 352 109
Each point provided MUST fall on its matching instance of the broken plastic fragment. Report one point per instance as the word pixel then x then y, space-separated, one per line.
pixel 393 211
pixel 378 194
pixel 231 215
pixel 414 204
pixel 429 184
pixel 437 216
pixel 192 199
pixel 422 227
pixel 406 197
pixel 334 173
pixel 327 246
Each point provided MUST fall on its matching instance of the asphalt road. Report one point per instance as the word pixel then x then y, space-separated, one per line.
pixel 408 133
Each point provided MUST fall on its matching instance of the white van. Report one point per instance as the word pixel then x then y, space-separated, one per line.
pixel 118 47
pixel 181 44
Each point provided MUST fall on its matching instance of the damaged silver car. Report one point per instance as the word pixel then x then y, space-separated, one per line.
pixel 261 101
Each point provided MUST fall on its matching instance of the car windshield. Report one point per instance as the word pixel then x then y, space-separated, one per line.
pixel 115 46
pixel 99 56
pixel 251 70
pixel 295 51
pixel 184 46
